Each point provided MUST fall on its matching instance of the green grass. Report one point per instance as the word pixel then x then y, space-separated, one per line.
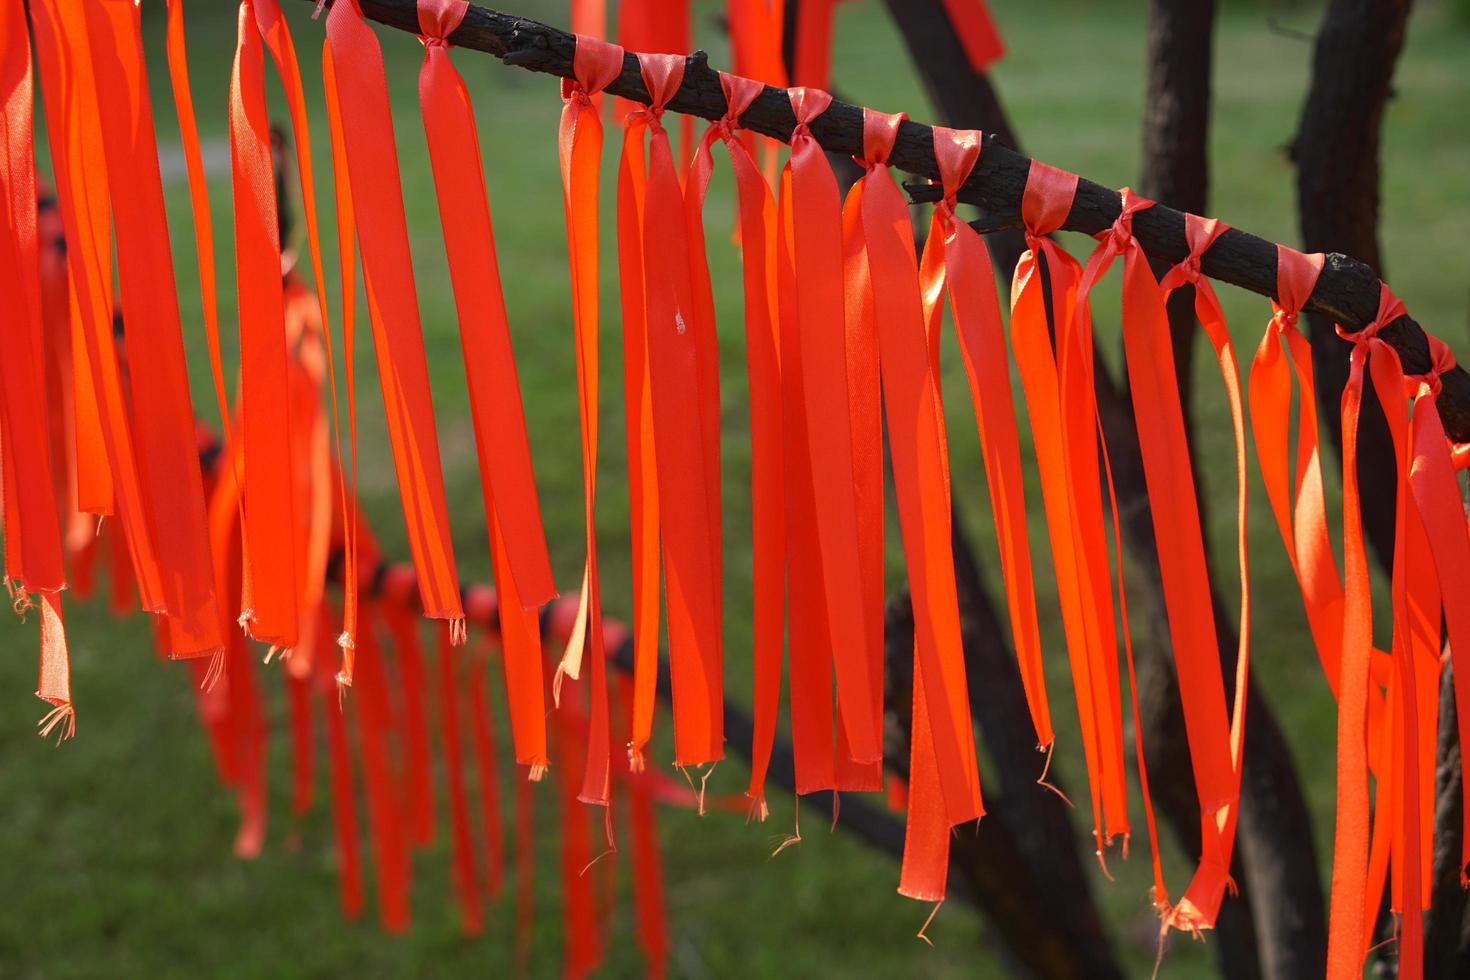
pixel 114 857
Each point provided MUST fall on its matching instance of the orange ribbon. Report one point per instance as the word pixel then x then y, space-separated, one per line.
pixel 1348 923
pixel 763 370
pixel 1201 903
pixel 680 347
pixel 32 523
pixel 162 416
pixel 270 610
pixel 920 451
pixel 638 417
pixel 518 542
pixel 826 402
pixel 579 142
pixel 1168 476
pixel 358 92
pixel 958 263
pixel 482 731
pixel 462 848
pixel 69 88
pixel 1436 492
pixel 1057 385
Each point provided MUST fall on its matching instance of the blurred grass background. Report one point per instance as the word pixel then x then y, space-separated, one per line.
pixel 115 847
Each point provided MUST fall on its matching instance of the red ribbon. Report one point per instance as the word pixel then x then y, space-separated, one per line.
pixel 580 146
pixel 680 347
pixel 462 848
pixel 825 402
pixel 359 93
pixel 270 613
pixel 1168 476
pixel 162 415
pixel 763 369
pixel 1064 431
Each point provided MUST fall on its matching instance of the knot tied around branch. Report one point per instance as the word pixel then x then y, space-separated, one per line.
pixel 956 151
pixel 438 19
pixel 1390 308
pixel 595 64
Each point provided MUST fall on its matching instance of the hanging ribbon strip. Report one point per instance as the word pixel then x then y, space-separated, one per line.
pixel 955 258
pixel 358 92
pixel 270 612
pixel 32 524
pixel 1201 902
pixel 1167 472
pixel 685 408
pixel 162 417
pixel 1058 391
pixel 1353 902
pixel 811 204
pixel 517 541
pixel 890 280
pixel 757 212
pixel 579 143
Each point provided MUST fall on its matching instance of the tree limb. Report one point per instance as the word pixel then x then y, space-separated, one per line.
pixel 1347 291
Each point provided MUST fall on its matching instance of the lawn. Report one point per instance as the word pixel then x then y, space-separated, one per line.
pixel 115 847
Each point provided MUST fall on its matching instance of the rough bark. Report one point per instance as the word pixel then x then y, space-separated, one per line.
pixel 1336 154
pixel 1347 290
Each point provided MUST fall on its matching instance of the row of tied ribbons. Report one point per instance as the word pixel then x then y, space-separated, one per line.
pixel 843 322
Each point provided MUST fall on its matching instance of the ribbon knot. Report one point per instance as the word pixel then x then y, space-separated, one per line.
pixel 956 151
pixel 807 104
pixel 1046 202
pixel 1200 234
pixel 740 92
pixel 595 64
pixel 1390 308
pixel 438 19
pixel 880 132
pixel 1441 360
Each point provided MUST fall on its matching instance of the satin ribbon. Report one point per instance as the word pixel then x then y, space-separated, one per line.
pixel 826 403
pixel 955 257
pixel 579 144
pixel 462 848
pixel 162 416
pixel 757 207
pixel 975 27
pixel 386 805
pixel 1056 384
pixel 865 408
pixel 811 651
pixel 920 453
pixel 1348 923
pixel 1201 902
pixel 518 542
pixel 495 403
pixel 638 418
pixel 482 732
pixel 69 88
pixel 813 61
pixel 344 800
pixel 1167 473
pixel 358 91
pixel 410 697
pixel 1436 492
pixel 178 73
pixel 270 610
pixel 32 523
pixel 680 332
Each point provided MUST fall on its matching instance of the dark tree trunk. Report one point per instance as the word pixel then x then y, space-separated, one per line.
pixel 1444 924
pixel 1176 143
pixel 1336 154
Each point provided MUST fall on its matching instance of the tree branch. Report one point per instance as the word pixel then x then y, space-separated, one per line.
pixel 1347 291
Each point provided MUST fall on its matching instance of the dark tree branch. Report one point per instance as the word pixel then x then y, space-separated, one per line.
pixel 1336 153
pixel 1347 291
pixel 1176 136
